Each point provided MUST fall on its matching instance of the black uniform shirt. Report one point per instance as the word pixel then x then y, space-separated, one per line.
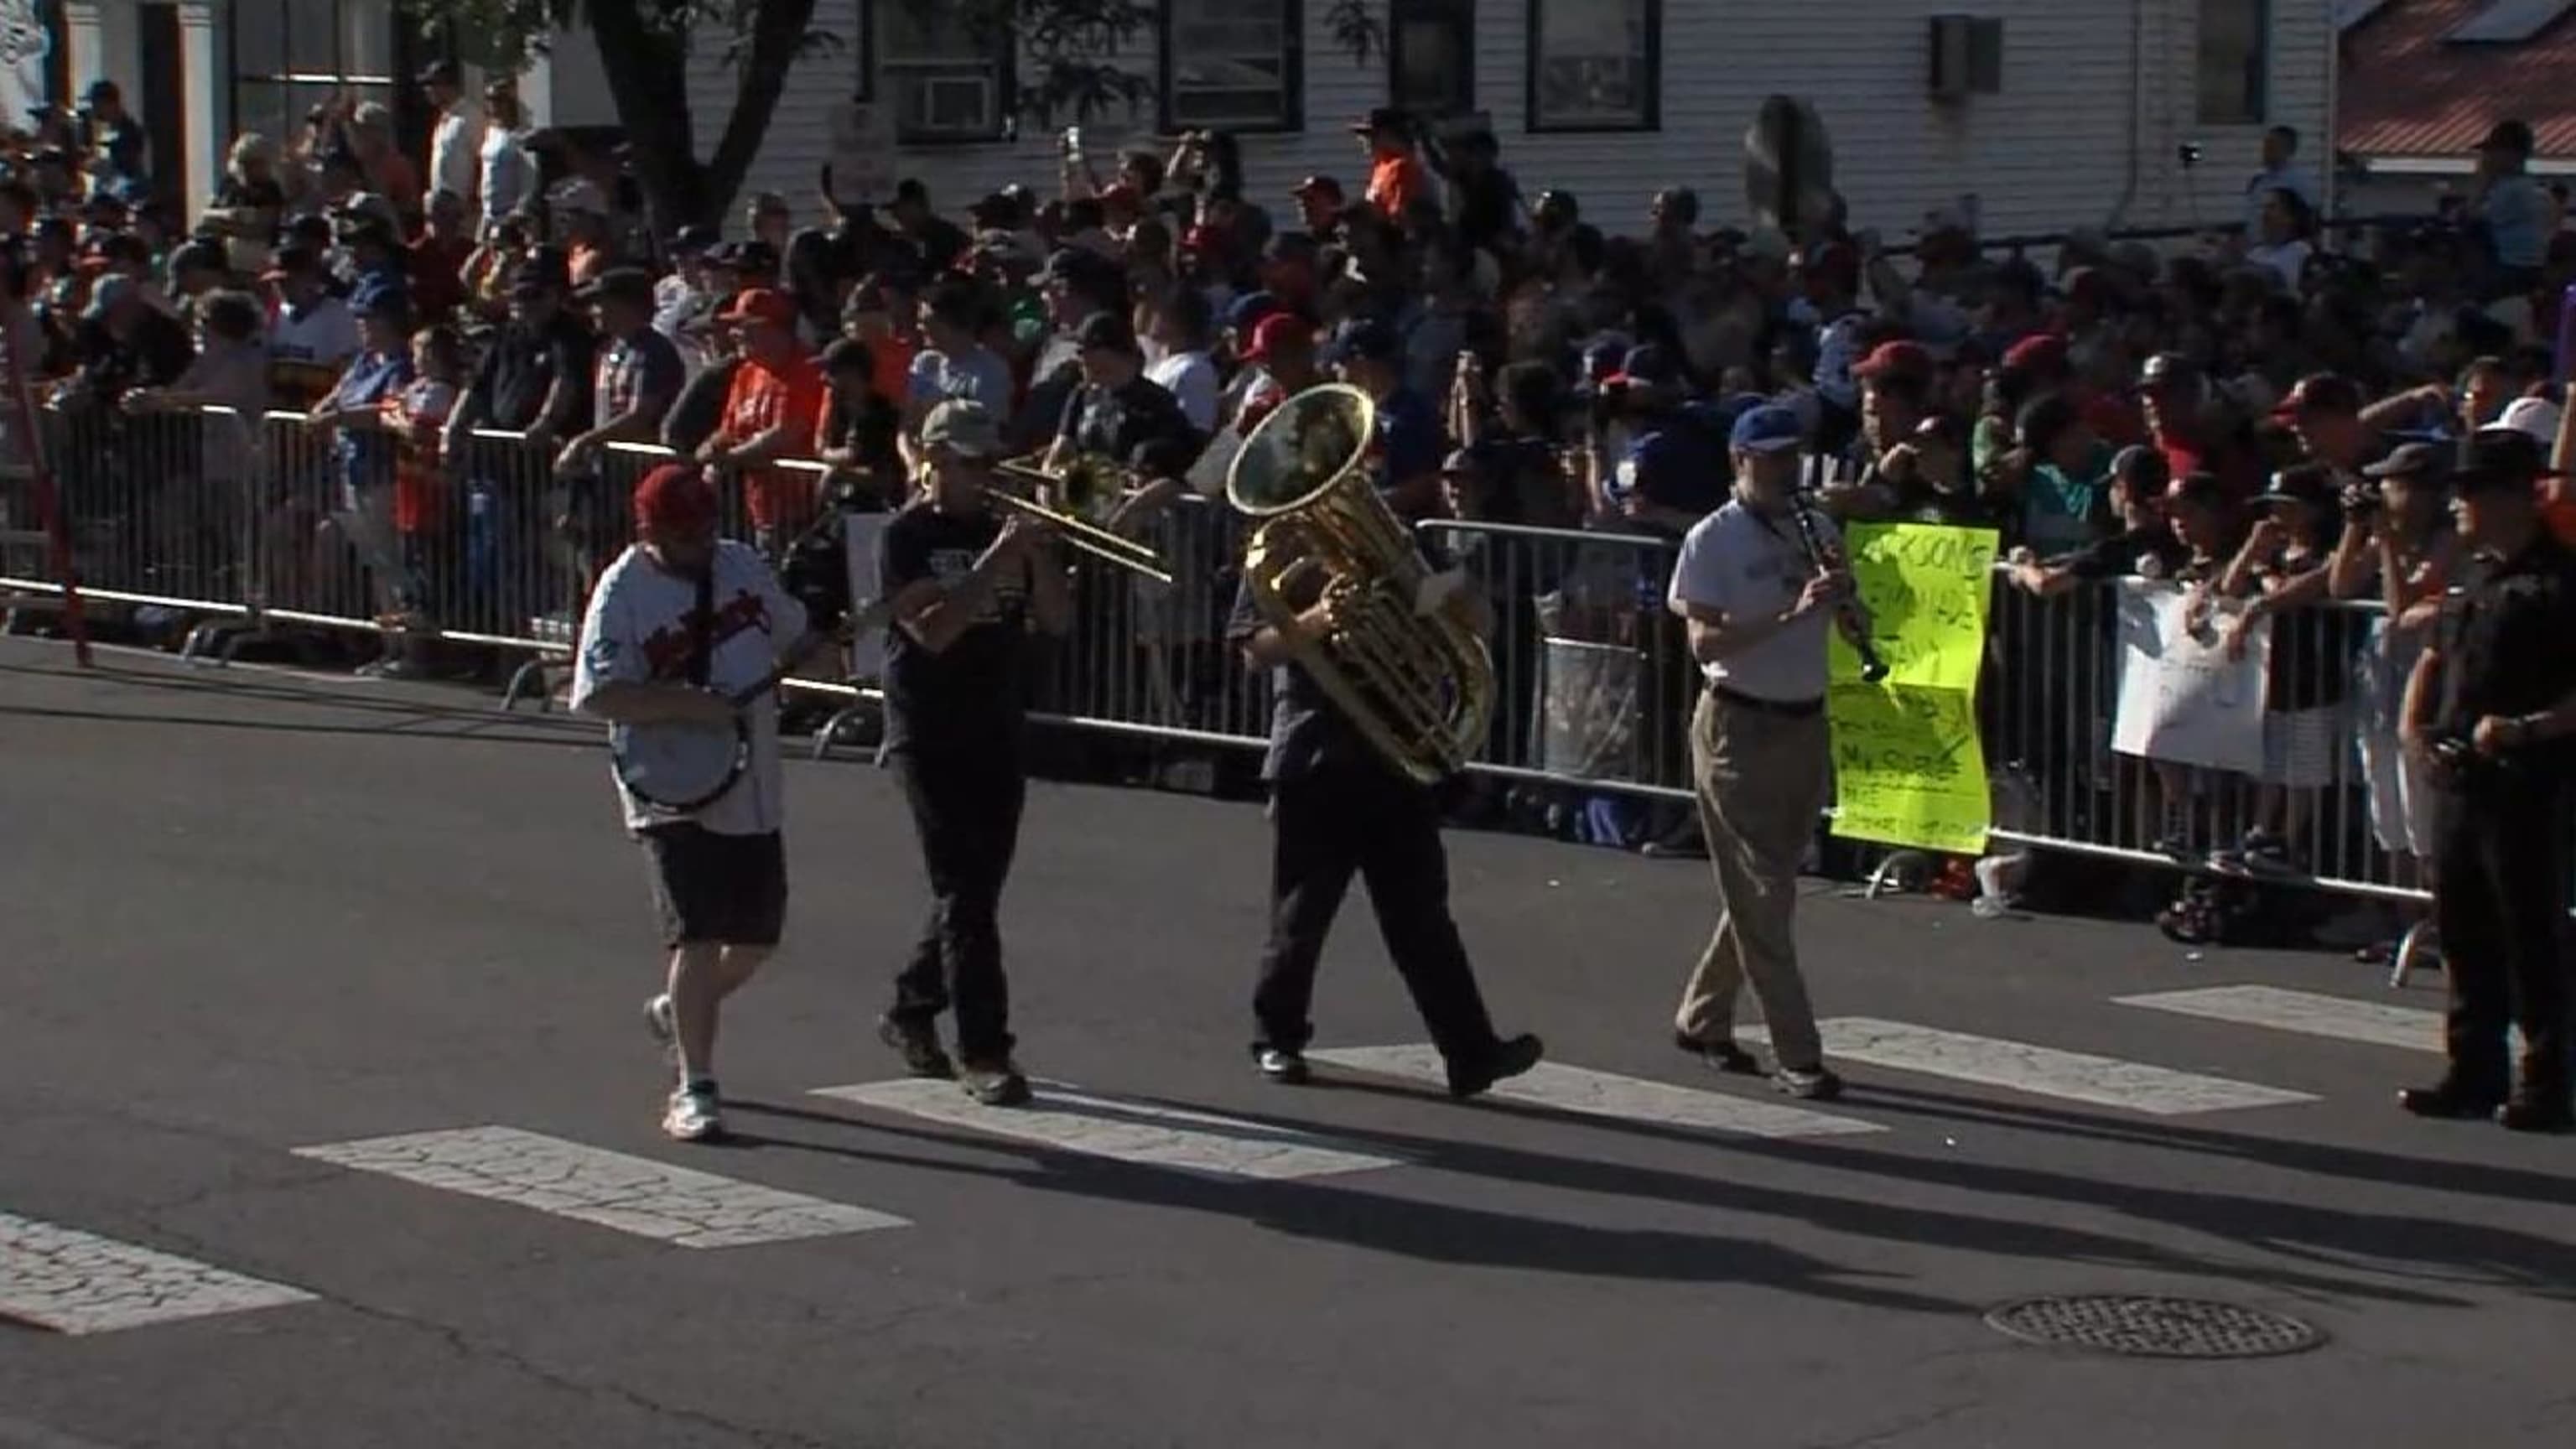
pixel 1309 733
pixel 2509 642
pixel 1115 421
pixel 967 696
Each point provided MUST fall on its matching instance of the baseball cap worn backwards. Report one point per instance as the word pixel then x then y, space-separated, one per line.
pixel 674 497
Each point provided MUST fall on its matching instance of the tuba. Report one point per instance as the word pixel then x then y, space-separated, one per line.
pixel 1414 679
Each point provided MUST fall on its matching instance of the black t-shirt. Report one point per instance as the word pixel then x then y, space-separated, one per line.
pixel 1116 421
pixel 969 696
pixel 2311 647
pixel 1309 734
pixel 870 429
pixel 2504 635
pixel 1484 206
pixel 2151 552
pixel 520 370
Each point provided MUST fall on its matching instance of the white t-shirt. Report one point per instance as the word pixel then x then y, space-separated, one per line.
pixel 2286 261
pixel 455 154
pixel 509 175
pixel 1191 378
pixel 1745 566
pixel 637 631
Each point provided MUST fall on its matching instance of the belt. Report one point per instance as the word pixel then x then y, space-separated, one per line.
pixel 1784 708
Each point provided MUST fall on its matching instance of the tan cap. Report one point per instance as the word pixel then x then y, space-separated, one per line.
pixel 962 427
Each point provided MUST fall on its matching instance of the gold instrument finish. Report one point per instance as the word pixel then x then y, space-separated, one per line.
pixel 1088 486
pixel 1419 686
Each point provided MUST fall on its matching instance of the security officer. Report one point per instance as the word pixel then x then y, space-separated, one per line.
pixel 2491 707
pixel 1340 811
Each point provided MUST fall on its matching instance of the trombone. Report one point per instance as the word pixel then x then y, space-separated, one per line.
pixel 1101 543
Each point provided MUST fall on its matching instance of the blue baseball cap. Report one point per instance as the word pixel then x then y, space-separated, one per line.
pixel 1249 309
pixel 1769 428
pixel 1365 339
pixel 376 297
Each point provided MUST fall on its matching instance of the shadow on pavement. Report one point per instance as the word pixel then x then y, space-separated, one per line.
pixel 1339 1212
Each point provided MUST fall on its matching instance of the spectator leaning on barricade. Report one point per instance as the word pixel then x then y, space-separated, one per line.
pixel 772 411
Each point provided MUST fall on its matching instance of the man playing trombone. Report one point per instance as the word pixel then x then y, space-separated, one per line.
pixel 966 586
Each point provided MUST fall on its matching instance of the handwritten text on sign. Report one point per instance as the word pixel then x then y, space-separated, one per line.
pixel 2182 700
pixel 1926 588
pixel 1908 767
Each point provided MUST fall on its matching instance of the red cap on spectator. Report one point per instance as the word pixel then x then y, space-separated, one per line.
pixel 1273 330
pixel 1904 360
pixel 761 304
pixel 2044 352
pixel 675 498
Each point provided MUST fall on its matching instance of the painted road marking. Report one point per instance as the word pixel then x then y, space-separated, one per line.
pixel 610 1189
pixel 74 1282
pixel 2041 1071
pixel 1150 1134
pixel 2305 1012
pixel 1607 1094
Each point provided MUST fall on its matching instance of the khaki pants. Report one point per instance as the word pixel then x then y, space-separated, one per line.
pixel 1762 779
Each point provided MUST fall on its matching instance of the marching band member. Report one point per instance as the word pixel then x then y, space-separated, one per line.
pixel 681 620
pixel 1759 615
pixel 966 588
pixel 1340 811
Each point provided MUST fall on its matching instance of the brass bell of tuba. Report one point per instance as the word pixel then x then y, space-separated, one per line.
pixel 1415 680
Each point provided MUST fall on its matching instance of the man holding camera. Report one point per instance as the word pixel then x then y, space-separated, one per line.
pixel 2491 710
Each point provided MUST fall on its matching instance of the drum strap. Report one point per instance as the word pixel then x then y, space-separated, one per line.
pixel 702 628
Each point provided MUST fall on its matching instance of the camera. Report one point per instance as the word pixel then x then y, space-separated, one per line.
pixel 2361 500
pixel 2190 154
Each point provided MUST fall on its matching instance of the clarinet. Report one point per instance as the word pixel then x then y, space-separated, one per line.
pixel 1822 559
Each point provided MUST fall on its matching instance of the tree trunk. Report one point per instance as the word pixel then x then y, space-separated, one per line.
pixel 648 78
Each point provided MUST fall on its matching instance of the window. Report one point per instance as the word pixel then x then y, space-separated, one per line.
pixel 1431 56
pixel 1594 64
pixel 1232 65
pixel 292 55
pixel 2235 62
pixel 944 82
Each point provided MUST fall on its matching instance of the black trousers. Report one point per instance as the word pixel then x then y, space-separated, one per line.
pixel 1360 820
pixel 2501 905
pixel 966 810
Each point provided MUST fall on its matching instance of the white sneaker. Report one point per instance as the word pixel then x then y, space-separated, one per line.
pixel 692 1117
pixel 658 1020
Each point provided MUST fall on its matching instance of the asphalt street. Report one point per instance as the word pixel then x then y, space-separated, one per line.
pixel 257 922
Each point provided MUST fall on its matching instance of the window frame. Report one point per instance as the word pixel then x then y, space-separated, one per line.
pixel 875 87
pixel 393 85
pixel 1292 77
pixel 1464 11
pixel 2258 79
pixel 1651 114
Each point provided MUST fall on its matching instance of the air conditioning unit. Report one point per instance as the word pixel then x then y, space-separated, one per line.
pixel 960 103
pixel 1967 56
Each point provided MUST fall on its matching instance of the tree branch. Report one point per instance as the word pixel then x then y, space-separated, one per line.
pixel 778 33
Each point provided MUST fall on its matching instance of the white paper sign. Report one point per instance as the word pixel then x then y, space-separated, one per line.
pixel 863 155
pixel 2181 698
pixel 24 45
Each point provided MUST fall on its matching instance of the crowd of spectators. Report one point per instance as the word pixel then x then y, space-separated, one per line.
pixel 2210 413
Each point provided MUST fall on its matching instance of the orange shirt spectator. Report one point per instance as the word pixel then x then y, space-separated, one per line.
pixel 1397 179
pixel 772 410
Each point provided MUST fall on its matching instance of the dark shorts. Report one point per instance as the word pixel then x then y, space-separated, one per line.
pixel 729 890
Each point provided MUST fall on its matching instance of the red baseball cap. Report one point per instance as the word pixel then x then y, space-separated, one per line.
pixel 1274 329
pixel 762 304
pixel 2045 352
pixel 674 497
pixel 1897 359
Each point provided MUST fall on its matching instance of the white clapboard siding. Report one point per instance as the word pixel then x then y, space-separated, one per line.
pixel 2089 87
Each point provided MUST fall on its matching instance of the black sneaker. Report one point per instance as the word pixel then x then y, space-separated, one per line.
pixel 918 1044
pixel 1282 1065
pixel 996 1084
pixel 2448 1100
pixel 1720 1056
pixel 1503 1060
pixel 2526 1114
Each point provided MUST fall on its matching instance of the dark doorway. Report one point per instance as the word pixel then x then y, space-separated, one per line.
pixel 163 103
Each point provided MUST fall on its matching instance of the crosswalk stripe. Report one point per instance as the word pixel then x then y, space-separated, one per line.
pixel 74 1282
pixel 2305 1012
pixel 1607 1094
pixel 1151 1134
pixel 638 1195
pixel 2040 1071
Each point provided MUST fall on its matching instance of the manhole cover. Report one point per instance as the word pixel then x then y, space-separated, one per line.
pixel 2155 1327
